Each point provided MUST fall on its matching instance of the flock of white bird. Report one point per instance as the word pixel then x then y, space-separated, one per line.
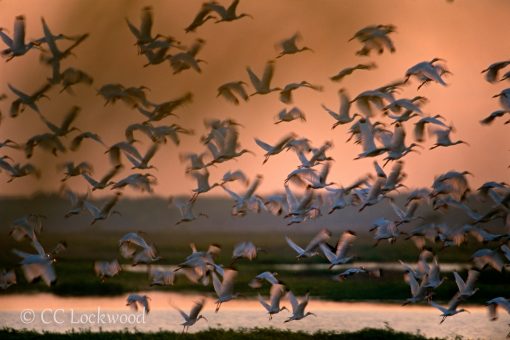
pixel 379 127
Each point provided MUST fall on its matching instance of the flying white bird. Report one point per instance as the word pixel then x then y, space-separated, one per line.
pixel 467 289
pixel 16 46
pixel 263 85
pixel 275 295
pixel 272 150
pixel 425 70
pixel 289 46
pixel 452 308
pixel 193 316
pixel 106 269
pixel 342 116
pixel 312 247
pixel 492 71
pixel 136 301
pixel 7 278
pixel 298 307
pixel 493 305
pixel 225 288
pixel 105 211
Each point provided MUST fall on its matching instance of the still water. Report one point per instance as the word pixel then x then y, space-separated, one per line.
pixel 60 314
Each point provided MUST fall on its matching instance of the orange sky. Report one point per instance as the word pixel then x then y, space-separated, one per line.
pixel 468 34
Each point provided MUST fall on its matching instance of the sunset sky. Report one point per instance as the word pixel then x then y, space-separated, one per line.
pixel 469 35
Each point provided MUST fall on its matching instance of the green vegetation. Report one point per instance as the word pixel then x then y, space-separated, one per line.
pixel 76 275
pixel 256 334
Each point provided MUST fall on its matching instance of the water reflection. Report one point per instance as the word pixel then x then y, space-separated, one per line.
pixel 81 313
pixel 296 267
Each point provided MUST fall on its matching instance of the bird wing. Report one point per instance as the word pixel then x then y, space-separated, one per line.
pixel 228 281
pixel 293 301
pixel 93 210
pixel 264 303
pixel 268 74
pixel 472 278
pixel 328 253
pixel 276 293
pixel 263 145
pixel 110 204
pixel 69 118
pixel 255 81
pixel 193 314
pixel 441 308
pixel 294 246
pixel 6 39
pixel 228 95
pixel 321 237
pixel 333 114
pixel 344 243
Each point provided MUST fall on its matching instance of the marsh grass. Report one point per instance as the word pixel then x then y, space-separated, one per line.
pixel 255 334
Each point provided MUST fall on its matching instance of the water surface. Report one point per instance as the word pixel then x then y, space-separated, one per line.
pixel 61 314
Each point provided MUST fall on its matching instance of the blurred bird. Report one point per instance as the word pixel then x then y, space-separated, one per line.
pixel 141 182
pixel 76 142
pixel 161 277
pixel 104 182
pixel 65 127
pixel 105 211
pixel 136 301
pixel 107 269
pixel 487 257
pixel 275 149
pixel 185 207
pixel 264 276
pixel 72 76
pixel 45 141
pixel 419 126
pixel 452 308
pixel 504 99
pixel 290 115
pixel 24 99
pixel 312 247
pixel 247 201
pixel 342 116
pixel 226 13
pixel 425 70
pixel 16 46
pixel 342 247
pixel 289 46
pixel 349 70
pixel 286 93
pixel 276 293
pixel 375 38
pixel 200 18
pixel 134 246
pixel 263 85
pixel 467 288
pixel 7 278
pixel 496 114
pixel 385 230
pixel 16 170
pixel 246 250
pixel 298 307
pixel 225 288
pixel 231 90
pixel 493 305
pixel 492 71
pixel 443 138
pixel 193 316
